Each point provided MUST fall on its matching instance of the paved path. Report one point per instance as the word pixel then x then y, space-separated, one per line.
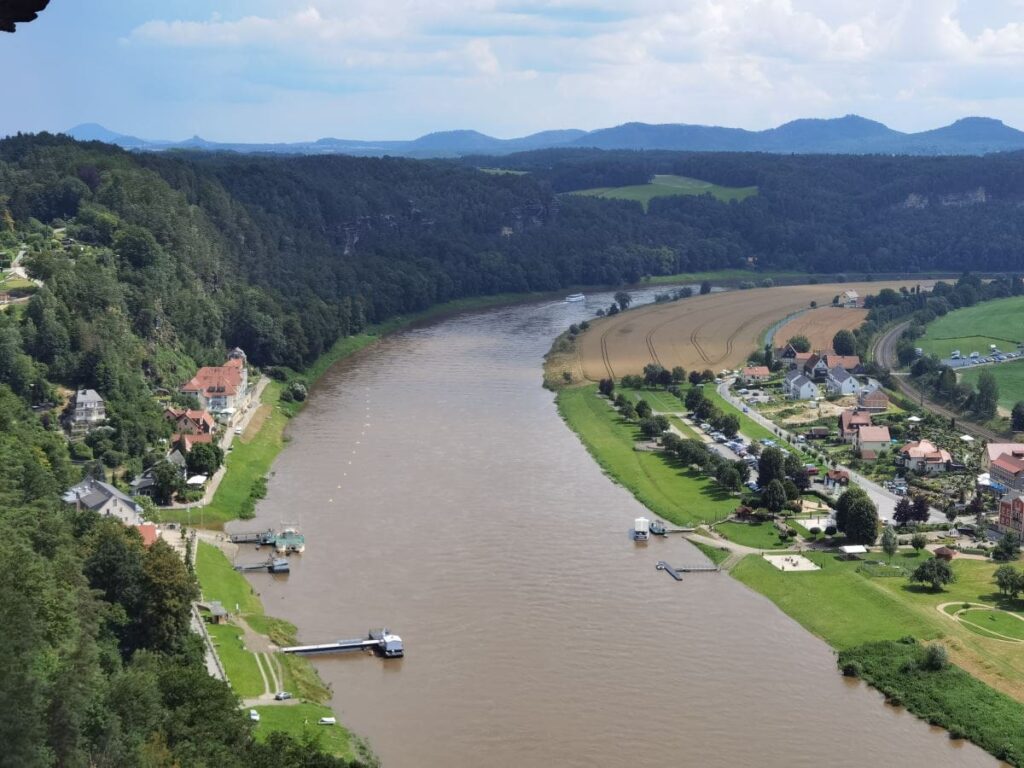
pixel 885 500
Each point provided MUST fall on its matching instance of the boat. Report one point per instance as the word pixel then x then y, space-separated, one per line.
pixel 290 540
pixel 573 297
pixel 641 529
pixel 657 528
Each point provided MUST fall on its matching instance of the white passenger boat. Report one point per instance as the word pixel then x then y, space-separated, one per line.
pixel 575 297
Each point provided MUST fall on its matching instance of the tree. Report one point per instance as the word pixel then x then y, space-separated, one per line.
pixel 613 309
pixel 606 387
pixel 664 378
pixel 730 425
pixel 950 512
pixel 727 476
pixel 844 343
pixel 773 497
pixel 935 572
pixel 920 508
pixel 904 511
pixel 800 343
pixel 889 543
pixel 678 375
pixel 169 592
pixel 694 378
pixel 770 466
pixel 627 411
pixel 694 398
pixel 987 398
pixel 1009 580
pixel 918 541
pixel 705 288
pixel 861 521
pixel 1008 548
pixel 707 375
pixel 167 482
pixel 623 299
pixel 1017 416
pixel 643 408
pixel 652 372
pixel 204 459
pixel 802 479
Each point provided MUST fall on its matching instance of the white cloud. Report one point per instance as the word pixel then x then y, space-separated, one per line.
pixel 575 62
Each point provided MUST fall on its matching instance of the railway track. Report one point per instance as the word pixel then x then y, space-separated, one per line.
pixel 883 351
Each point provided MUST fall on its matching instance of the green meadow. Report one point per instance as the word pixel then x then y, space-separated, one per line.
pixel 664 185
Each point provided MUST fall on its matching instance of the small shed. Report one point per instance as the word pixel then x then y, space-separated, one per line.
pixel 945 553
pixel 218 614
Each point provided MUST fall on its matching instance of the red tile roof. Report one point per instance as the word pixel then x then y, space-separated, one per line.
pixel 756 370
pixel 188 441
pixel 1009 463
pixel 149 534
pixel 217 380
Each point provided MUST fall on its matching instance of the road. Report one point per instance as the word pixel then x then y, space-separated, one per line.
pixel 885 500
pixel 884 353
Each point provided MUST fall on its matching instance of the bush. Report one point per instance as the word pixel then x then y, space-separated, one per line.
pixel 935 658
pixel 81 452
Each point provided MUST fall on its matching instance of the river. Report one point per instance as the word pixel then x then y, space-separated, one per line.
pixel 442 496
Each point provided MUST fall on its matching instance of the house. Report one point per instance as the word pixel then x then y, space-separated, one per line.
pixel 874 400
pixel 105 500
pixel 188 421
pixel 1008 471
pixel 222 389
pixel 820 364
pixel 791 358
pixel 994 450
pixel 850 421
pixel 799 387
pixel 1011 514
pixel 945 553
pixel 841 382
pixel 870 441
pixel 756 374
pixel 817 433
pixel 850 299
pixel 925 457
pixel 87 411
pixel 185 443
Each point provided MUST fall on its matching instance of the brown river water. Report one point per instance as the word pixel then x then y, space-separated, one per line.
pixel 442 496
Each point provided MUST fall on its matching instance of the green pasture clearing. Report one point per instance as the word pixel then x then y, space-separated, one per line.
pixel 1009 376
pixel 760 535
pixel 300 721
pixel 239 664
pixel 666 185
pixel 725 276
pixel 973 329
pixel 680 495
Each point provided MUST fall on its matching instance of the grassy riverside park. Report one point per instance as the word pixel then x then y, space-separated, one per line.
pixel 666 185
pixel 679 495
pixel 1009 377
pixel 220 581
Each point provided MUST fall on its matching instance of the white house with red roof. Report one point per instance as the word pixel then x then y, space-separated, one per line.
pixel 924 457
pixel 222 389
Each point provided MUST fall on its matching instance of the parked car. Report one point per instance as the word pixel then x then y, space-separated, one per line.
pixel 282 696
pixel 239 430
pixel 327 721
pixel 254 715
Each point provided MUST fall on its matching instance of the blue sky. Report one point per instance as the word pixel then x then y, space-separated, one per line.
pixel 278 70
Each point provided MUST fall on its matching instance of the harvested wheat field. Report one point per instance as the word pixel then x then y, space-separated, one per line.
pixel 821 325
pixel 715 331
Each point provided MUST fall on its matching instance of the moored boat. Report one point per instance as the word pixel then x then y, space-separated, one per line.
pixel 572 297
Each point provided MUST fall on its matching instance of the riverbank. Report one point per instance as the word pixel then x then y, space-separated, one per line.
pixel 252 455
pixel 844 603
pixel 248 647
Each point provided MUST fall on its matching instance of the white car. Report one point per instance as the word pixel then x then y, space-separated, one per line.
pixel 254 715
pixel 239 430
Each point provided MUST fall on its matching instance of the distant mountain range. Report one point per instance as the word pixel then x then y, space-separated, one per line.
pixel 844 135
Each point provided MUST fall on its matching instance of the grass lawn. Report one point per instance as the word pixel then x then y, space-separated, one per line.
pixel 660 400
pixel 300 720
pixel 1009 376
pixel 241 665
pixel 714 554
pixel 972 329
pixel 847 608
pixel 220 581
pixel 759 535
pixel 665 185
pixel 722 276
pixel 994 622
pixel 680 495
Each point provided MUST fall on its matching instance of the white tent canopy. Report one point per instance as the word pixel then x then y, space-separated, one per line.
pixel 854 549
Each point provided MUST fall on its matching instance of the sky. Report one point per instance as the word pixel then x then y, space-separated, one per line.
pixel 284 70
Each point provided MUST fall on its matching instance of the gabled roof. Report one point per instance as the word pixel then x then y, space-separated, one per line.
pixel 846 361
pixel 875 396
pixel 93 494
pixel 217 380
pixel 757 370
pixel 149 534
pixel 995 450
pixel 840 374
pixel 927 450
pixel 187 442
pixel 870 434
pixel 1009 463
pixel 793 375
pixel 88 397
pixel 849 419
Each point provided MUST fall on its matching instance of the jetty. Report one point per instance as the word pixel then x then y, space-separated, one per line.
pixel 254 537
pixel 273 565
pixel 678 571
pixel 381 641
